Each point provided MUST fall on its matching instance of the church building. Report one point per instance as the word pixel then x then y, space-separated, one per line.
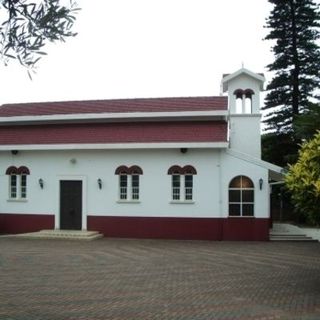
pixel 173 168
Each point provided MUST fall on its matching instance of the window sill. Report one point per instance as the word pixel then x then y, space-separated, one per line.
pixel 182 202
pixel 17 200
pixel 129 201
pixel 240 217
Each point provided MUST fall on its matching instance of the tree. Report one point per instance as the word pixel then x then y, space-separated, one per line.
pixel 28 26
pixel 278 149
pixel 294 25
pixel 303 180
pixel 308 123
pixel 294 28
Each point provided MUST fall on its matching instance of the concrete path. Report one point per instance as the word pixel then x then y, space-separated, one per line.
pixel 156 279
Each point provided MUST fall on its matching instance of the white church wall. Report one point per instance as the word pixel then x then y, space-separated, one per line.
pixel 89 166
pixel 245 134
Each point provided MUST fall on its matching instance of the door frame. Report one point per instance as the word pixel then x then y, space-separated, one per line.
pixel 84 199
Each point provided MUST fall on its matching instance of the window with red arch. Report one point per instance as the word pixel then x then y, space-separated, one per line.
pixel 17 182
pixel 129 182
pixel 182 183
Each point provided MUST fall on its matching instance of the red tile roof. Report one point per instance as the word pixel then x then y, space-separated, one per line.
pixel 120 105
pixel 195 131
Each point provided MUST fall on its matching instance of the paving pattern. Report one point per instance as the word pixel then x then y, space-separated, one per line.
pixel 123 279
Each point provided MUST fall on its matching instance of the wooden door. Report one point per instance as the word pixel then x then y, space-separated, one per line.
pixel 71 205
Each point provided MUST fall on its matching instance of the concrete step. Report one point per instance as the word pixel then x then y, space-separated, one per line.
pixel 278 234
pixel 293 237
pixel 288 232
pixel 61 234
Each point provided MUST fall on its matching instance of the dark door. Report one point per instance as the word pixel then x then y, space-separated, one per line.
pixel 70 205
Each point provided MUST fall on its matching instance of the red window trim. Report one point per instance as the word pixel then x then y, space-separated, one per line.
pixel 15 170
pixel 186 170
pixel 133 170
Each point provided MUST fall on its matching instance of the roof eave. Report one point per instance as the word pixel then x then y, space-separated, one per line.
pixel 116 117
pixel 229 77
pixel 116 146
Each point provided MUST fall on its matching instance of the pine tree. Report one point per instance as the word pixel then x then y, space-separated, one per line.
pixel 294 28
pixel 308 123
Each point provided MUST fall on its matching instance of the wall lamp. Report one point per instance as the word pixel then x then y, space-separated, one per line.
pixel 99 183
pixel 183 150
pixel 41 183
pixel 260 183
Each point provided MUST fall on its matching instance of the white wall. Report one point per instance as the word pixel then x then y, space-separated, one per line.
pixel 155 183
pixel 245 134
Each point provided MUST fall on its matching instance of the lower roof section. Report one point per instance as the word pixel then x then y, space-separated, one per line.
pixel 115 133
pixel 276 173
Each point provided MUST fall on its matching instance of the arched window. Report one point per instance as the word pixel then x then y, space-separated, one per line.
pixel 23 170
pixel 189 170
pixel 129 182
pixel 182 182
pixel 241 197
pixel 122 170
pixel 239 94
pixel 135 170
pixel 175 170
pixel 243 100
pixel 17 182
pixel 12 170
pixel 248 100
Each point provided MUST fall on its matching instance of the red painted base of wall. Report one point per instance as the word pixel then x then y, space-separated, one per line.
pixel 182 228
pixel 22 223
pixel 252 229
pixel 150 227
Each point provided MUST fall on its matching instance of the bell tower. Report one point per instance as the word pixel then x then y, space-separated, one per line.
pixel 244 87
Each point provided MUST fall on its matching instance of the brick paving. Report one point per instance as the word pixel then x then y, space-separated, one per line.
pixel 122 279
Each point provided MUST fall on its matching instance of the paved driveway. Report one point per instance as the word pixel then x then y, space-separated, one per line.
pixel 156 279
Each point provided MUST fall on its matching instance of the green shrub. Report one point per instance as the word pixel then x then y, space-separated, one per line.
pixel 303 180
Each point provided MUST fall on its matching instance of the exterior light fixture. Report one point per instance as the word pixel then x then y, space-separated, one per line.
pixel 99 183
pixel 260 183
pixel 41 183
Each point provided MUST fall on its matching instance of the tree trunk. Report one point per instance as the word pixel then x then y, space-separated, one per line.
pixel 295 60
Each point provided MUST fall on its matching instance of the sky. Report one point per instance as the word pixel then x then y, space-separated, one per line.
pixel 146 48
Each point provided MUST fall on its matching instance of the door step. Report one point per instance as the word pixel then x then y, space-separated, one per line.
pixel 62 234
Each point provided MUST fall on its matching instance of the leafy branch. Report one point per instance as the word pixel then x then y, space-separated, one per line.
pixel 28 26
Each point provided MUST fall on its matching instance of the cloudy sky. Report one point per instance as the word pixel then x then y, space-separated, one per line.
pixel 146 48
